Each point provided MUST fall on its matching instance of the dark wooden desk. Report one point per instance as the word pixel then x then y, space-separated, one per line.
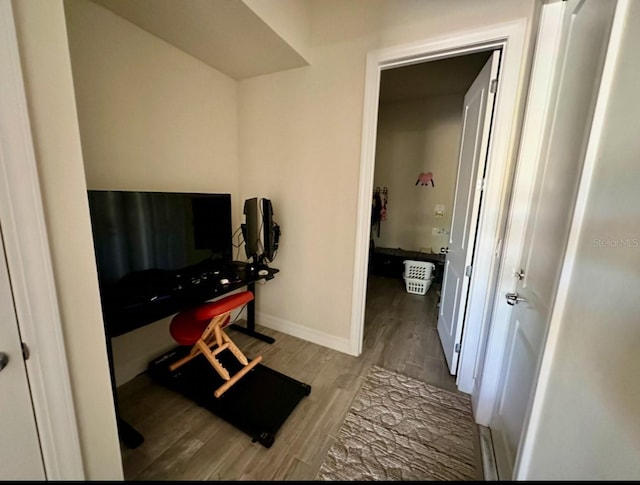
pixel 148 296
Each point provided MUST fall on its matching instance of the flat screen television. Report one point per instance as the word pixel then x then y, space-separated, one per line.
pixel 143 232
pixel 250 230
pixel 270 232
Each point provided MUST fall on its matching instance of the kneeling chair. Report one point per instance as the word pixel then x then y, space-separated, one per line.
pixel 202 327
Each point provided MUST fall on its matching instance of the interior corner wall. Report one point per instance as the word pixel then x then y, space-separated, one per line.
pixel 49 90
pixel 290 19
pixel 414 137
pixel 300 135
pixel 589 427
pixel 151 118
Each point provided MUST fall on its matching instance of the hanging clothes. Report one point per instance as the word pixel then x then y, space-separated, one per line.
pixel 379 209
pixel 383 210
pixel 376 212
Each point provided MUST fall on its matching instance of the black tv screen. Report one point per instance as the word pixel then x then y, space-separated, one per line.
pixel 143 231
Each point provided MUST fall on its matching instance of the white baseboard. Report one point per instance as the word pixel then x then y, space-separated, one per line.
pixel 489 468
pixel 305 333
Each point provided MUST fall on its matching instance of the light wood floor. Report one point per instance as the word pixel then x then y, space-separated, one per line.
pixel 186 442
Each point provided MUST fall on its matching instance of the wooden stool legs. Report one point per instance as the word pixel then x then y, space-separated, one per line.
pixel 237 376
pixel 213 341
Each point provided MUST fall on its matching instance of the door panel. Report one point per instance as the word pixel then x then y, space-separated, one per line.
pixel 450 286
pixel 566 147
pixel 585 27
pixel 20 457
pixel 476 121
pixel 522 358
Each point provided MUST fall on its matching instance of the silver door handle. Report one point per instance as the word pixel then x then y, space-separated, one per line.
pixel 513 298
pixel 4 360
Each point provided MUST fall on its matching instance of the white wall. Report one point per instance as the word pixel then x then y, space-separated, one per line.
pixel 589 423
pixel 300 138
pixel 413 137
pixel 151 118
pixel 48 83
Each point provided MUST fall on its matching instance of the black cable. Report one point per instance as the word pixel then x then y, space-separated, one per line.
pixel 233 235
pixel 236 317
pixel 240 243
pixel 260 243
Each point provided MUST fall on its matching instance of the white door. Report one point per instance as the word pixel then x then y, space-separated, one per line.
pixel 552 179
pixel 20 457
pixel 476 125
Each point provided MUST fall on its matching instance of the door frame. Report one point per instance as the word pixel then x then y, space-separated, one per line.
pixel 30 268
pixel 510 37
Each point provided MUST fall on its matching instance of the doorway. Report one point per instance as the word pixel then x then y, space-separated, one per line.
pixel 418 131
pixel 508 38
pixel 428 157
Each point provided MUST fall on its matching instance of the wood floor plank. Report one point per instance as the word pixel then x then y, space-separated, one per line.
pixel 186 442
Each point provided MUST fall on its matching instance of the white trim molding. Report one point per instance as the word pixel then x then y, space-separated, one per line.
pixel 29 263
pixel 510 38
pixel 530 432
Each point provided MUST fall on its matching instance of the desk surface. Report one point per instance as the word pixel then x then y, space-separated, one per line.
pixel 149 297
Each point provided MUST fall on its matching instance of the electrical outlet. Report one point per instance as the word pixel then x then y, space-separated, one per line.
pixel 439 231
pixel 439 210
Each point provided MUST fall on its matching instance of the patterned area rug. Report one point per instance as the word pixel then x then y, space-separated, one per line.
pixel 399 428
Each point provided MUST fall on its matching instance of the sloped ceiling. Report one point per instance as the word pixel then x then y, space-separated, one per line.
pixel 225 34
pixel 437 78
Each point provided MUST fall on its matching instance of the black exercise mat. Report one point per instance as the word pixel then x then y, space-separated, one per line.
pixel 258 404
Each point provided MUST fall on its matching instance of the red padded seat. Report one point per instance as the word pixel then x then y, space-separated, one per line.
pixel 203 328
pixel 187 326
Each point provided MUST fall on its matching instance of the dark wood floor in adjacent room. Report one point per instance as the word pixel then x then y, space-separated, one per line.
pixel 186 442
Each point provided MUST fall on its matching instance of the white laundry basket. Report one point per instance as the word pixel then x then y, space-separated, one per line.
pixel 418 276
